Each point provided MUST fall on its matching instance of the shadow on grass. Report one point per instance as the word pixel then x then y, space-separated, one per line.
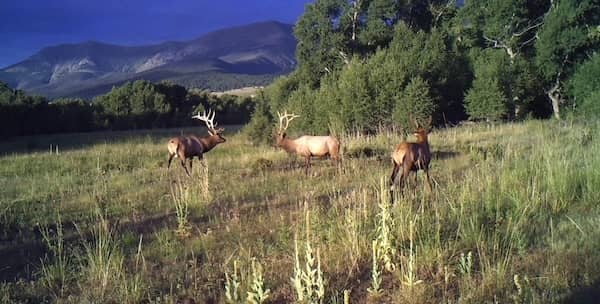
pixel 584 295
pixel 73 141
pixel 444 154
pixel 21 256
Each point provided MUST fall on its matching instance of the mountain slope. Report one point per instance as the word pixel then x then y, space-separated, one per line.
pixel 237 57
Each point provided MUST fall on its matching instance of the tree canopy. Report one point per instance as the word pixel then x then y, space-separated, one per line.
pixel 365 64
pixel 134 105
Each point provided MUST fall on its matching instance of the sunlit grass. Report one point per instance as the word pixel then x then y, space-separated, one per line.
pixel 513 216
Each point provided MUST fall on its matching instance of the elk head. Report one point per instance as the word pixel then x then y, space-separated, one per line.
pixel 420 131
pixel 208 119
pixel 284 122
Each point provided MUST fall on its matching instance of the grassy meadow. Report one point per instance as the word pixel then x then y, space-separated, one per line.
pixel 513 218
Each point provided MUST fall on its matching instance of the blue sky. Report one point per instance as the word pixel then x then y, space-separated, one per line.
pixel 26 26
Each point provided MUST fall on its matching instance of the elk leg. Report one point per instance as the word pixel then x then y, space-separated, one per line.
pixel 428 179
pixel 337 160
pixel 404 176
pixel 307 165
pixel 185 167
pixel 170 159
pixel 191 159
pixel 338 164
pixel 393 177
pixel 416 178
pixel 393 181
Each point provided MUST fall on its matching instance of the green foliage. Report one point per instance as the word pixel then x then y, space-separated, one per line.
pixel 485 100
pixel 257 292
pixel 139 104
pixel 328 108
pixel 500 20
pixel 584 87
pixel 232 285
pixel 276 95
pixel 564 39
pixel 302 102
pixel 357 109
pixel 386 84
pixel 320 40
pixel 384 239
pixel 133 105
pixel 308 281
pixel 260 128
pixel 362 94
pixel 416 102
pixel 381 15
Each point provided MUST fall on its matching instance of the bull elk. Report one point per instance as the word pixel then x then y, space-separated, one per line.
pixel 188 146
pixel 306 146
pixel 412 156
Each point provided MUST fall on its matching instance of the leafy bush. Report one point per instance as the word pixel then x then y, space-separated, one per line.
pixel 260 128
pixel 485 100
pixel 415 102
pixel 584 87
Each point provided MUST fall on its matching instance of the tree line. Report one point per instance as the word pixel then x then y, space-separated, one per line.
pixel 364 64
pixel 134 105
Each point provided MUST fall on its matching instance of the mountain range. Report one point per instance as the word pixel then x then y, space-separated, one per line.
pixel 224 59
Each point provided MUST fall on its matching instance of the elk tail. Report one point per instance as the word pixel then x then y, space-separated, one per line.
pixel 178 147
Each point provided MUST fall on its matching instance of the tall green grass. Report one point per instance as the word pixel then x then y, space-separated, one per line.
pixel 513 217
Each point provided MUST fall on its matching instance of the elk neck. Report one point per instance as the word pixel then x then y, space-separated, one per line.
pixel 209 142
pixel 422 141
pixel 289 145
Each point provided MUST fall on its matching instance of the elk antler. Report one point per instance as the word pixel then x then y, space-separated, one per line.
pixel 418 125
pixel 287 117
pixel 209 121
pixel 414 122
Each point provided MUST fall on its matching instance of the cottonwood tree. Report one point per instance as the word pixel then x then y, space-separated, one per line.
pixel 321 42
pixel 584 87
pixel 510 26
pixel 565 39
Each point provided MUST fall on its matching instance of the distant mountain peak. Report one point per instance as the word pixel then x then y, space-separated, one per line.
pixel 76 69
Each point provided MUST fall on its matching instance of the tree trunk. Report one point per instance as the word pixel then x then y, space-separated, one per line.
pixel 555 105
pixel 555 98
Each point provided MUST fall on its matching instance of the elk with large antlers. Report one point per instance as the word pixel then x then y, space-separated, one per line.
pixel 412 156
pixel 306 146
pixel 188 146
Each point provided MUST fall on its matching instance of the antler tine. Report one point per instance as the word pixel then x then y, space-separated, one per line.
pixel 281 117
pixel 414 121
pixel 285 118
pixel 213 125
pixel 206 119
pixel 213 116
pixel 209 120
pixel 291 117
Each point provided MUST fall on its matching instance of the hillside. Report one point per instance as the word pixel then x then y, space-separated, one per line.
pixel 229 58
